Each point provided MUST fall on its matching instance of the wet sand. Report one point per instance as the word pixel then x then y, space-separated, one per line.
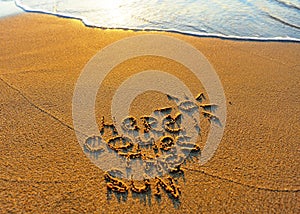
pixel 43 169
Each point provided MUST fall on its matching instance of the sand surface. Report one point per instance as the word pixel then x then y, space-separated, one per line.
pixel 43 168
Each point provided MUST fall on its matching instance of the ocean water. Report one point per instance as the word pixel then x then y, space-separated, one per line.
pixel 239 19
pixel 8 8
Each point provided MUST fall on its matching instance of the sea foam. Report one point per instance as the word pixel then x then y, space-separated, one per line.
pixel 277 20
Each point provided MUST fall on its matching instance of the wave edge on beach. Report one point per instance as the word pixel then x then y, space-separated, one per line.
pixel 199 32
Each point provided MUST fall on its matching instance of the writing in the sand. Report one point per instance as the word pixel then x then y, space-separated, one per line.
pixel 160 141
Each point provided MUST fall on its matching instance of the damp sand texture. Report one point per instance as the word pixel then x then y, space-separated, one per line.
pixel 44 170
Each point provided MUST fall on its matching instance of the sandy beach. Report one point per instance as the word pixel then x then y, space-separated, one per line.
pixel 44 170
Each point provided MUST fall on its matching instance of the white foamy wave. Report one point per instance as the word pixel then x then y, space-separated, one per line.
pixel 277 20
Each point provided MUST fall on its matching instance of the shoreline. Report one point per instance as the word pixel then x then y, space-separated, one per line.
pixel 186 33
pixel 41 59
